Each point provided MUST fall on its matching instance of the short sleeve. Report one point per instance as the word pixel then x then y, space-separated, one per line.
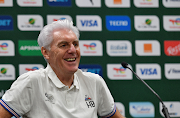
pixel 18 99
pixel 106 104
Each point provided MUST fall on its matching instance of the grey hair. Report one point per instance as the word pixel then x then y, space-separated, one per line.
pixel 46 35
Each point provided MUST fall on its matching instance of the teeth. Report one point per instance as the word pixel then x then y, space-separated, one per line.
pixel 70 59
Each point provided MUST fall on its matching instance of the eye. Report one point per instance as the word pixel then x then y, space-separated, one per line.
pixel 76 44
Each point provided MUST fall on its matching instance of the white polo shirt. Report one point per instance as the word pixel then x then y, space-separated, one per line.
pixel 40 94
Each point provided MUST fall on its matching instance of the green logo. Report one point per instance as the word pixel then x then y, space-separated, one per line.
pixel 31 21
pixel 3 70
pixel 148 21
pixel 29 48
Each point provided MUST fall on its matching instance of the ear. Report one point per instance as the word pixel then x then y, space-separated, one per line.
pixel 45 52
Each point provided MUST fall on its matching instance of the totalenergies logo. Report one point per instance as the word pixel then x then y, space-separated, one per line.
pixel 177 21
pixel 3 70
pixel 32 69
pixel 31 21
pixel 121 70
pixel 92 46
pixel 4 46
pixel 59 19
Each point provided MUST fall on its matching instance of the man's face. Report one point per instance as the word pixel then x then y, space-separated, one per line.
pixel 64 56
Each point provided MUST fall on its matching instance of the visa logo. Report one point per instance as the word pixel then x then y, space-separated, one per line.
pixel 148 71
pixel 89 23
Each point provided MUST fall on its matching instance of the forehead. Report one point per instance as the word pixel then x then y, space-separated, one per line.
pixel 64 35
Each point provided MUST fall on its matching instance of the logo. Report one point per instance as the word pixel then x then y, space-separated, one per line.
pixel 171 23
pixel 117 72
pixel 90 103
pixel 146 3
pixel 88 3
pixel 147 48
pixel 6 48
pixel 120 107
pixel 118 23
pixel 32 3
pixel 172 70
pixel 89 22
pixel 146 23
pixel 91 48
pixel 65 3
pixel 52 18
pixel 50 98
pixel 148 71
pixel 119 48
pixel 141 109
pixel 6 23
pixel 30 22
pixel 118 3
pixel 23 68
pixel 7 72
pixel 173 108
pixel 6 3
pixel 171 3
pixel 172 48
pixel 97 69
pixel 29 48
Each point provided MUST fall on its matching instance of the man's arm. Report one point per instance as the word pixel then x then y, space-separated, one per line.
pixel 4 113
pixel 117 114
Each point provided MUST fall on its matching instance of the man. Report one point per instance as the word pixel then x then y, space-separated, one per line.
pixel 61 90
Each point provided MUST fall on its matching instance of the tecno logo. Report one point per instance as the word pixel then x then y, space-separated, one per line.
pixel 148 71
pixel 89 23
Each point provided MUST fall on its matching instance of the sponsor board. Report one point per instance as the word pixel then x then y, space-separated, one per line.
pixel 117 72
pixel 120 108
pixel 63 3
pixel 171 23
pixel 118 23
pixel 171 3
pixel 173 108
pixel 52 18
pixel 23 68
pixel 29 48
pixel 149 71
pixel 30 22
pixel 141 109
pixel 7 48
pixel 30 3
pixel 119 48
pixel 7 72
pixel 172 48
pixel 6 22
pixel 172 70
pixel 89 22
pixel 6 3
pixel 146 23
pixel 93 68
pixel 118 3
pixel 91 48
pixel 146 3
pixel 88 3
pixel 147 48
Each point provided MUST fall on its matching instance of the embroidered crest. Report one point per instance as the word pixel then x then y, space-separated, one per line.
pixel 50 98
pixel 90 103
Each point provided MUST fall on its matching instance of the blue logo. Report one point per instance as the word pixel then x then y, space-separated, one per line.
pixel 148 71
pixel 118 23
pixel 6 23
pixel 59 3
pixel 141 109
pixel 89 23
pixel 97 69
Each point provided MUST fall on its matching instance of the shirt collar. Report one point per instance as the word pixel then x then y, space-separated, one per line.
pixel 51 74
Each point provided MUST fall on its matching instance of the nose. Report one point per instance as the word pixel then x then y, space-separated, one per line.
pixel 72 49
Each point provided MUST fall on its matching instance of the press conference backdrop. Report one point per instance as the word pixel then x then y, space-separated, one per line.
pixel 144 33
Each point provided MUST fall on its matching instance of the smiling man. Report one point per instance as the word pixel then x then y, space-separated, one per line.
pixel 61 90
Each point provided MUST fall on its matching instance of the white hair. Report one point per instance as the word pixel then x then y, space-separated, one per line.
pixel 46 35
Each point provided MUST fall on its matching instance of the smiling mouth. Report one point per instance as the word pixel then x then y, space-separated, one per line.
pixel 70 59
